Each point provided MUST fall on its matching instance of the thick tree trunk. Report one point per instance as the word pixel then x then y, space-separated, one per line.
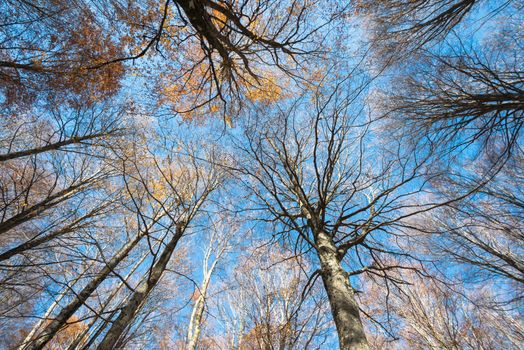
pixel 138 298
pixel 61 319
pixel 344 307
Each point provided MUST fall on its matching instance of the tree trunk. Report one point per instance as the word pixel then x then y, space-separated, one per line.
pixel 33 211
pixel 51 146
pixel 195 323
pixel 82 337
pixel 41 322
pixel 61 319
pixel 139 297
pixel 344 307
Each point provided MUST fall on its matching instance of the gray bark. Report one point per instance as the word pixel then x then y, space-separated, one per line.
pixel 52 146
pixel 61 319
pixel 139 297
pixel 344 307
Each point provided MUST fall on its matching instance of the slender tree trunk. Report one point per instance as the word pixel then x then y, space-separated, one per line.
pixel 139 297
pixel 50 310
pixel 195 323
pixel 81 338
pixel 51 146
pixel 41 239
pixel 31 212
pixel 39 324
pixel 344 307
pixel 60 320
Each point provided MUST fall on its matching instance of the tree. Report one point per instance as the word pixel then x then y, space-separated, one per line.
pixel 220 240
pixel 213 48
pixel 465 92
pixel 429 314
pixel 313 178
pixel 269 306
pixel 182 190
pixel 465 100
pixel 55 185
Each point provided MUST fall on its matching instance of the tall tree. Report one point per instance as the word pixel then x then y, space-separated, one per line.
pixel 316 182
pixel 270 305
pixel 183 187
pixel 220 240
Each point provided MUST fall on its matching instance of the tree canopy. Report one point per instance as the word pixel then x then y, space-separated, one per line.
pixel 261 174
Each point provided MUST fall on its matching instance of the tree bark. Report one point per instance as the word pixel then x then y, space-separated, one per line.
pixel 139 297
pixel 33 211
pixel 51 146
pixel 195 323
pixel 60 320
pixel 41 239
pixel 344 307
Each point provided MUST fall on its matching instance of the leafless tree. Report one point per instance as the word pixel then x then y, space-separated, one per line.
pixel 429 314
pixel 464 100
pixel 220 238
pixel 313 178
pixel 265 307
pixel 54 196
pixel 464 93
pixel 185 184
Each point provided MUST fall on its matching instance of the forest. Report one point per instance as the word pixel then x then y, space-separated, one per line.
pixel 261 174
